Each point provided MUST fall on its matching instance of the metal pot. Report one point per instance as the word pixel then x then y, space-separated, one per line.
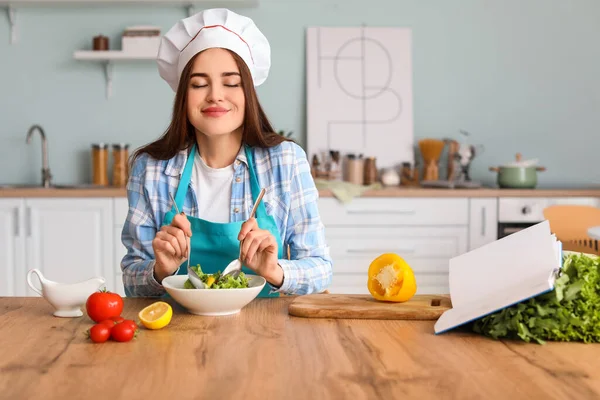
pixel 519 175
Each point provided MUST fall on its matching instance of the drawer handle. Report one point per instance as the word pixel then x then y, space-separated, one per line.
pixel 378 251
pixel 17 223
pixel 483 221
pixel 388 212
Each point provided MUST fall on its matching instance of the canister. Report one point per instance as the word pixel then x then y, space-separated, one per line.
pixel 100 164
pixel 370 171
pixel 120 164
pixel 353 171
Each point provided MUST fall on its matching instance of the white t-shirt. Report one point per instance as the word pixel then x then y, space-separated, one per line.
pixel 213 190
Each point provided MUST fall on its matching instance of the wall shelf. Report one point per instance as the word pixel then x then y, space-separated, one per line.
pixel 108 58
pixel 189 5
pixel 203 3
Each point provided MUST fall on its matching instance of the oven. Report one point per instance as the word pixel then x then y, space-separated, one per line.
pixel 518 213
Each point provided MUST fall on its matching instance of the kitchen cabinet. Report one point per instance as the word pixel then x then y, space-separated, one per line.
pixel 68 240
pixel 12 250
pixel 426 232
pixel 483 221
pixel 75 238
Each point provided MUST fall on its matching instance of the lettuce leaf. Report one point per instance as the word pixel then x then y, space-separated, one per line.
pixel 570 312
pixel 219 281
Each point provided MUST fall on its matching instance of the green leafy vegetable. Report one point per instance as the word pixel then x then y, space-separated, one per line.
pixel 570 312
pixel 217 281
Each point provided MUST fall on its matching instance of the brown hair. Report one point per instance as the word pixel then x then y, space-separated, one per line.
pixel 257 130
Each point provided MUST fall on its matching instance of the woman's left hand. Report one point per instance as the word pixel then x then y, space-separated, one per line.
pixel 259 252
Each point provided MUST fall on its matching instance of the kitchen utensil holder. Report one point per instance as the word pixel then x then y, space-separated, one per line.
pixel 353 171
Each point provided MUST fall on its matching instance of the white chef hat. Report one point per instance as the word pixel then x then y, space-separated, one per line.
pixel 217 27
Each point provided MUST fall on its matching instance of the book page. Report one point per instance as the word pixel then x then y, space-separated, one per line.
pixel 506 265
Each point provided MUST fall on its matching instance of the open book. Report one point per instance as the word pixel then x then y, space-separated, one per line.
pixel 500 274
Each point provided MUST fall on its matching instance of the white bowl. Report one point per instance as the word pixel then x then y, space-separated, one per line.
pixel 213 302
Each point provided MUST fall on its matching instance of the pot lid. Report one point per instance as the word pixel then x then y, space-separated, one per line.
pixel 519 162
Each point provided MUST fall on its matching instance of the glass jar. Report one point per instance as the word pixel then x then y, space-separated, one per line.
pixel 100 164
pixel 120 164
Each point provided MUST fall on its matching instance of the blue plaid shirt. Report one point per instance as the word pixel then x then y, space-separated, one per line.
pixel 290 197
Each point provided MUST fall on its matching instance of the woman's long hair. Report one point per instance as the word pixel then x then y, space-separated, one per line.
pixel 181 134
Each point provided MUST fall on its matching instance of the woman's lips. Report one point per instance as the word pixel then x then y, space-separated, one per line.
pixel 215 112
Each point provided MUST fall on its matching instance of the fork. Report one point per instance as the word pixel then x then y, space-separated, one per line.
pixel 235 267
pixel 189 247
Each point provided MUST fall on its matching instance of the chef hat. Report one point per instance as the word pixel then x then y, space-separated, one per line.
pixel 216 27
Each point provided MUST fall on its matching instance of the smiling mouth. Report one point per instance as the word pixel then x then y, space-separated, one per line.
pixel 215 112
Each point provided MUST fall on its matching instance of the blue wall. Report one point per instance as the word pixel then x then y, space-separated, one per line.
pixel 520 75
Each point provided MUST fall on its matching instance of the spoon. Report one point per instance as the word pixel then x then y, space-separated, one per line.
pixel 235 267
pixel 192 275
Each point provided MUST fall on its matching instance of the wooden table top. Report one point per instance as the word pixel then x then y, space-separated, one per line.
pixel 263 353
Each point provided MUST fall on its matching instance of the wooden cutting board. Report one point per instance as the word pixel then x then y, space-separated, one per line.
pixel 419 307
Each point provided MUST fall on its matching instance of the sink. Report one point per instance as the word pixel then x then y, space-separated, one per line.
pixel 20 186
pixel 38 186
pixel 77 186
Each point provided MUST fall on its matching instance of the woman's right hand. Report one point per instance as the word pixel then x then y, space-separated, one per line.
pixel 170 246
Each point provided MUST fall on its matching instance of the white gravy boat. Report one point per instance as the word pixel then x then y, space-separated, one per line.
pixel 66 298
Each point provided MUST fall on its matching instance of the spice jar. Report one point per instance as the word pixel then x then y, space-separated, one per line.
pixel 100 164
pixel 120 166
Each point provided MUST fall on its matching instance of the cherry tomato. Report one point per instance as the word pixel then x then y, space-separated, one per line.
pixel 108 322
pixel 99 333
pixel 103 305
pixel 130 323
pixel 122 332
pixel 118 319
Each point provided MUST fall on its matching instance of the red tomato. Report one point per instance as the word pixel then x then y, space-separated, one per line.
pixel 130 323
pixel 103 305
pixel 109 323
pixel 118 319
pixel 122 332
pixel 99 333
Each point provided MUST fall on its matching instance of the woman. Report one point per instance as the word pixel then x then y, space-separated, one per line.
pixel 214 158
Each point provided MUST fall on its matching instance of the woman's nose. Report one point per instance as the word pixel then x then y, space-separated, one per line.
pixel 215 92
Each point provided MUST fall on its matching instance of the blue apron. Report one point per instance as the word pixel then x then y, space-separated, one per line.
pixel 214 245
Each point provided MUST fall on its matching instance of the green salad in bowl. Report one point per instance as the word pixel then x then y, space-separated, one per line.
pixel 218 281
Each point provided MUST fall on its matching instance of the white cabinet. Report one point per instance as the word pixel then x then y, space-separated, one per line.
pixel 426 232
pixel 68 240
pixel 12 249
pixel 483 221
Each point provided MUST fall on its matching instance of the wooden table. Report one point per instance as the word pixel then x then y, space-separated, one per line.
pixel 263 353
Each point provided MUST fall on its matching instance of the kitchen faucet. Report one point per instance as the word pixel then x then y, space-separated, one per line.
pixel 46 176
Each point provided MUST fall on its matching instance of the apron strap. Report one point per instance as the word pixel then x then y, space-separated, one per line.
pixel 185 180
pixel 260 211
pixel 187 176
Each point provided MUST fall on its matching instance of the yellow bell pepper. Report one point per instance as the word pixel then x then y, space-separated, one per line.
pixel 391 279
pixel 210 281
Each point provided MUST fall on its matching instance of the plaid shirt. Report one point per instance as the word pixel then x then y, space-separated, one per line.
pixel 290 197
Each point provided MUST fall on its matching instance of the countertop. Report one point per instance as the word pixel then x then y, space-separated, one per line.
pixel 263 352
pixel 386 192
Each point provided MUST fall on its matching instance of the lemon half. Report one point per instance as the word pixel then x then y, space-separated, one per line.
pixel 156 316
